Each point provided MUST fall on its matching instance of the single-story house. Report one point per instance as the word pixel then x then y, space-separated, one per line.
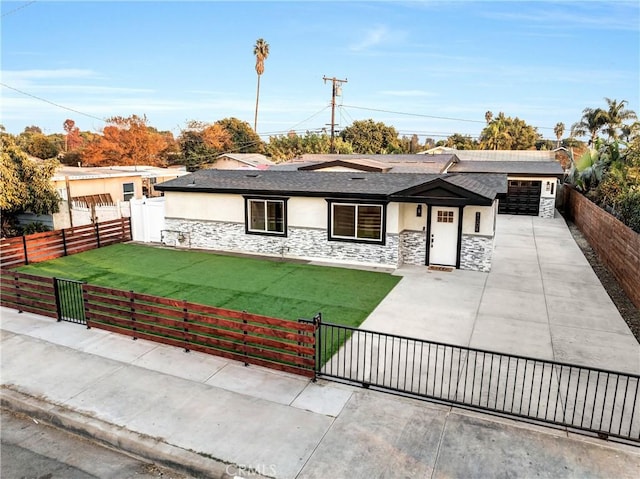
pixel 240 161
pixel 90 193
pixel 353 213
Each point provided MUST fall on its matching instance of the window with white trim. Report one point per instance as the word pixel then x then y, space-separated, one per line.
pixel 266 216
pixel 128 191
pixel 356 222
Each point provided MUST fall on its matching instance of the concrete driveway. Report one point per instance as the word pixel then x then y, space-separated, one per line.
pixel 541 299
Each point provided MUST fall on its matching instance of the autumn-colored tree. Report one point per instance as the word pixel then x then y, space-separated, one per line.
pixel 25 184
pixel 126 141
pixel 201 143
pixel 72 139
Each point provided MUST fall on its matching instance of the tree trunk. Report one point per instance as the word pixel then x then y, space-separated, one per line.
pixel 255 121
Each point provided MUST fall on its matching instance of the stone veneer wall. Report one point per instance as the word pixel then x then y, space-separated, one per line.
pixel 547 208
pixel 413 247
pixel 300 243
pixel 476 252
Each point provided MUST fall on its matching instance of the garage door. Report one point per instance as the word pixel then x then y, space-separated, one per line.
pixel 522 198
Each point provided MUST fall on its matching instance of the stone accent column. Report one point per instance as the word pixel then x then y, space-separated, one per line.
pixel 413 247
pixel 547 207
pixel 476 252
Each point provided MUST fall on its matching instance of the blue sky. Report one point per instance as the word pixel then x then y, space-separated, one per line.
pixel 431 68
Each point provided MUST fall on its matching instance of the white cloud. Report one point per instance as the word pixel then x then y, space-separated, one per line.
pixel 372 38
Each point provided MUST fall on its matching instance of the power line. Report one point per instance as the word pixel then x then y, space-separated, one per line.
pixel 18 8
pixel 428 116
pixel 52 103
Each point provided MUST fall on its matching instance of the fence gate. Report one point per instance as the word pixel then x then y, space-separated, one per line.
pixel 69 302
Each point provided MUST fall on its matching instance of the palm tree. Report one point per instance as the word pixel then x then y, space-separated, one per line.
pixel 488 116
pixel 496 134
pixel 559 131
pixel 616 115
pixel 261 51
pixel 592 121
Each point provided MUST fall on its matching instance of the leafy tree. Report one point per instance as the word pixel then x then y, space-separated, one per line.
pixel 592 121
pixel 243 138
pixel 461 142
pixel 126 141
pixel 506 133
pixel 41 146
pixel 33 129
pixel 261 51
pixel 25 185
pixel 288 147
pixel 369 137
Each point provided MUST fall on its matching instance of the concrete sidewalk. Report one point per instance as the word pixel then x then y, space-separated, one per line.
pixel 219 418
pixel 541 299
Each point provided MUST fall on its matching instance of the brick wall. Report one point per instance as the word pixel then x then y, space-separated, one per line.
pixel 617 245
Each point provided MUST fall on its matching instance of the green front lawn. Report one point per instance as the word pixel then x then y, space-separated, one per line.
pixel 269 287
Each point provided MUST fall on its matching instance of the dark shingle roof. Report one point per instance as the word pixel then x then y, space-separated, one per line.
pixel 540 168
pixel 392 163
pixel 323 184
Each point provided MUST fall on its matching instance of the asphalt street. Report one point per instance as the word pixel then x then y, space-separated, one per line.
pixel 33 450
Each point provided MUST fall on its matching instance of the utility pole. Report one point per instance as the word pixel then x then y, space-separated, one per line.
pixel 335 91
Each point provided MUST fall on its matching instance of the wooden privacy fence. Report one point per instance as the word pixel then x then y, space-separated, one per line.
pixel 54 244
pixel 274 343
pixel 26 292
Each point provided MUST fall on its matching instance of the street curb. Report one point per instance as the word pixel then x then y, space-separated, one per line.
pixel 145 447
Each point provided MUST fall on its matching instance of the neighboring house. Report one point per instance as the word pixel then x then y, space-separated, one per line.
pixel 90 194
pixel 240 161
pixel 356 213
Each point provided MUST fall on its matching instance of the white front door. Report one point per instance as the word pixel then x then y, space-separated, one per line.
pixel 443 242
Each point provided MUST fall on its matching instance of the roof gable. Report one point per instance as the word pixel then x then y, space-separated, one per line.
pixel 348 164
pixel 450 190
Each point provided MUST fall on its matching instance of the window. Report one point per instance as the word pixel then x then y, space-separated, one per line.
pixel 266 216
pixel 445 216
pixel 128 191
pixel 358 222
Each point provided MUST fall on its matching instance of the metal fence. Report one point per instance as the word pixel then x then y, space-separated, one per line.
pixel 588 399
pixel 69 301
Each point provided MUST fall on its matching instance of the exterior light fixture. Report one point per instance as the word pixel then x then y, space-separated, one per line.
pixel 419 211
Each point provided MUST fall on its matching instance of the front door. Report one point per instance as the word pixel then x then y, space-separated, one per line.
pixel 443 241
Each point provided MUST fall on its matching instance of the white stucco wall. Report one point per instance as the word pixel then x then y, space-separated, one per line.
pixel 204 206
pixel 487 219
pixel 408 220
pixel 307 212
